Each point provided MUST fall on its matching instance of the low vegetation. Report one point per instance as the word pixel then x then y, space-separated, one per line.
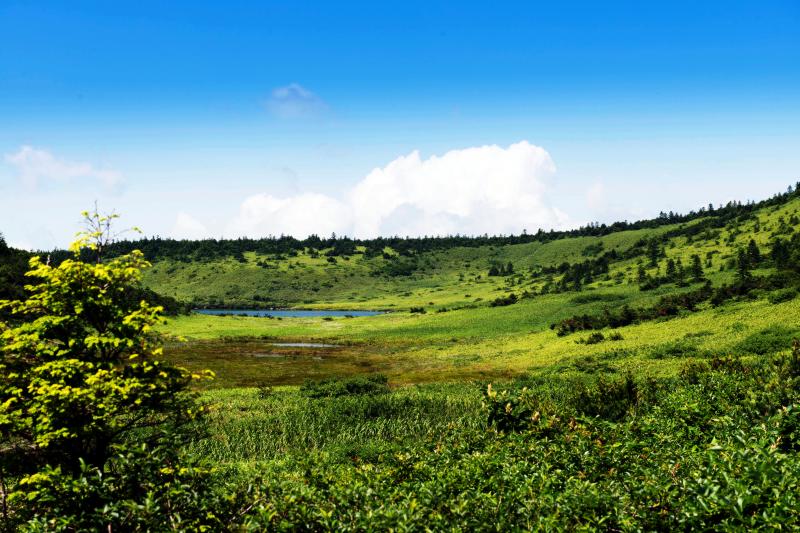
pixel 639 376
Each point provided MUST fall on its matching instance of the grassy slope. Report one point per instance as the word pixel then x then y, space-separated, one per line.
pixel 472 342
pixel 446 278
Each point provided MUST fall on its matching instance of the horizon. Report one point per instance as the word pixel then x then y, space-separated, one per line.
pixel 366 120
pixel 566 232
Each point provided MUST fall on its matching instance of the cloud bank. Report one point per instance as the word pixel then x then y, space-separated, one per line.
pixel 487 189
pixel 37 167
pixel 188 227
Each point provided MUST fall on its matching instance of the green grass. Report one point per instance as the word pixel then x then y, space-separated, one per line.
pixel 484 343
pixel 338 428
pixel 676 423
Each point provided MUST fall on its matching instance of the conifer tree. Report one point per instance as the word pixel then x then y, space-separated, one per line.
pixel 753 253
pixel 697 268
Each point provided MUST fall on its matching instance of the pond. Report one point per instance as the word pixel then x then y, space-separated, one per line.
pixel 286 313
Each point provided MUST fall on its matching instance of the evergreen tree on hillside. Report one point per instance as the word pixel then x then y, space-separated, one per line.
pixel 743 274
pixel 780 253
pixel 753 253
pixel 641 274
pixel 680 273
pixel 654 252
pixel 697 268
pixel 671 270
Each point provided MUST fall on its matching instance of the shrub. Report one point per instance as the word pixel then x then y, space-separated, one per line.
pixel 609 399
pixel 333 387
pixel 782 295
pixel 501 301
pixel 769 340
pixel 595 338
pixel 591 297
pixel 675 349
pixel 85 403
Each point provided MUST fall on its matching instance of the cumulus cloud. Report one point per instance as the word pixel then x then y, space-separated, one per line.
pixel 188 227
pixel 299 216
pixel 35 166
pixel 487 189
pixel 294 101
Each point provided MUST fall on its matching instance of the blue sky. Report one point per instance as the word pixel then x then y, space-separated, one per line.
pixel 208 119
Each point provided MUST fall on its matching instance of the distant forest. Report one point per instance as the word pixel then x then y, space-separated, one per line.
pixel 155 248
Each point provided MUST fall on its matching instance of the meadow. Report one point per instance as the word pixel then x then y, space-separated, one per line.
pixel 638 379
pixel 454 412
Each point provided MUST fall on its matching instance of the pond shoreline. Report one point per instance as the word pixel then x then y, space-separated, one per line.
pixel 288 313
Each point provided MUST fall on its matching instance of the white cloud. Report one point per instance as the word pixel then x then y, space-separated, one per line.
pixel 299 216
pixel 294 101
pixel 487 189
pixel 36 167
pixel 188 227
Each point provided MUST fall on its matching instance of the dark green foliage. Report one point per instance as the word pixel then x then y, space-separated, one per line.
pixel 334 387
pixel 767 341
pixel 753 252
pixel 501 270
pixel 140 489
pixel 592 249
pixel 782 295
pixel 13 265
pixel 655 251
pixel 574 276
pixel 595 338
pixel 697 269
pixel 667 306
pixel 400 267
pixel 501 301
pixel 590 297
pixel 677 349
pixel 608 399
pixel 170 306
pixel 743 265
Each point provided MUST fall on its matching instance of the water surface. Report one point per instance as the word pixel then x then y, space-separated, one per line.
pixel 286 313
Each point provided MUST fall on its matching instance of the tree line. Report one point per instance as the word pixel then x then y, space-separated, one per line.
pixel 157 247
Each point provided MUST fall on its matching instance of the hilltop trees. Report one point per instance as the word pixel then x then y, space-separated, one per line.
pixel 91 423
pixel 12 271
pixel 208 249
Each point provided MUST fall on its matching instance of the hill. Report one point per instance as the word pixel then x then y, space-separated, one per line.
pixel 458 272
pixel 647 299
pixel 632 376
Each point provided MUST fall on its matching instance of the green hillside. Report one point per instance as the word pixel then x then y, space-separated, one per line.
pixel 631 377
pixel 634 376
pixel 561 307
pixel 459 276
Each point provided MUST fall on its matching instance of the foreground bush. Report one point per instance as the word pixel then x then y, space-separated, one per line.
pixel 91 423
